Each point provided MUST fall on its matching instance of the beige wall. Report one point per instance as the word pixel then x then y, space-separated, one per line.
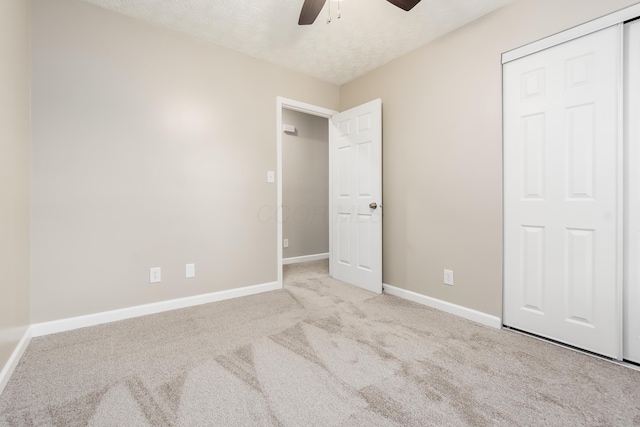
pixel 14 174
pixel 442 155
pixel 305 185
pixel 149 149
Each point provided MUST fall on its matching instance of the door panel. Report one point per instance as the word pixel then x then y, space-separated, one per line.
pixel 356 147
pixel 533 269
pixel 561 177
pixel 632 206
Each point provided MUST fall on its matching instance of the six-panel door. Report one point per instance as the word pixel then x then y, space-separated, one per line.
pixel 562 193
pixel 356 156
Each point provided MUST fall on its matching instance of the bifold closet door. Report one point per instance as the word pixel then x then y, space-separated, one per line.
pixel 561 201
pixel 632 206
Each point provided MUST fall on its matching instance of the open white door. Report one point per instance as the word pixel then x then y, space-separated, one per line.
pixel 356 196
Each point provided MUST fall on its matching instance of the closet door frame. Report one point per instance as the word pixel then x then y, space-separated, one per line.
pixel 619 17
pixel 616 18
pixel 631 327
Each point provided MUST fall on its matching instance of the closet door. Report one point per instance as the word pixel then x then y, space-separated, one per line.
pixel 561 202
pixel 632 206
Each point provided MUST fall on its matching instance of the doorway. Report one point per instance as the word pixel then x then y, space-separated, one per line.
pixel 283 107
pixel 305 187
pixel 355 191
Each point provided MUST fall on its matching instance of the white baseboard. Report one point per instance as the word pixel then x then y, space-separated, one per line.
pixel 305 258
pixel 11 364
pixel 46 328
pixel 458 310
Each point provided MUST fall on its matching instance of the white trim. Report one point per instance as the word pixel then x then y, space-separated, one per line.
pixel 46 328
pixel 598 24
pixel 11 364
pixel 302 107
pixel 457 310
pixel 279 105
pixel 304 258
pixel 620 193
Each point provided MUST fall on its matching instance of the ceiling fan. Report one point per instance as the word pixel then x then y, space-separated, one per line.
pixel 311 9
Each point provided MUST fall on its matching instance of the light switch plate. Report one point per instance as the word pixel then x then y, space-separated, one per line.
pixel 271 176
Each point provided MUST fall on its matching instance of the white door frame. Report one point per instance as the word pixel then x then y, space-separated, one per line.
pixel 598 24
pixel 313 110
pixel 615 18
pixel 632 200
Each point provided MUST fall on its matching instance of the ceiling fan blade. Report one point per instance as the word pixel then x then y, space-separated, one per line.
pixel 310 11
pixel 404 4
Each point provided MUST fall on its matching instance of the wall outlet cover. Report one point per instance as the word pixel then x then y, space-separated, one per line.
pixel 155 275
pixel 190 271
pixel 448 277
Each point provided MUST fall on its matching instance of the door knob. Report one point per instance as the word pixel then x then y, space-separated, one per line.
pixel 373 205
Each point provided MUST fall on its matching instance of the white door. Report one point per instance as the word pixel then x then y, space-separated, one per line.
pixel 561 202
pixel 356 196
pixel 632 207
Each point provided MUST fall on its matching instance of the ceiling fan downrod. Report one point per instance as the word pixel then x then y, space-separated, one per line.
pixel 329 8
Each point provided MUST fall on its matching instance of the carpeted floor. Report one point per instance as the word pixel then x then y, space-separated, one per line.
pixel 318 353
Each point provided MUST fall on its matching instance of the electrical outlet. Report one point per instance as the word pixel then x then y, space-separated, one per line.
pixel 155 275
pixel 190 271
pixel 286 243
pixel 448 277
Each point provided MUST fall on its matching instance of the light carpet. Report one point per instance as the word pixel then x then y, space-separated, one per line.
pixel 318 353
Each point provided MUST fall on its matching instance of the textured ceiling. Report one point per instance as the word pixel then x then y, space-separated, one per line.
pixel 369 33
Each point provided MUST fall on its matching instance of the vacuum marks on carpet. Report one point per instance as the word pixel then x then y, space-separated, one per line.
pixel 318 353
